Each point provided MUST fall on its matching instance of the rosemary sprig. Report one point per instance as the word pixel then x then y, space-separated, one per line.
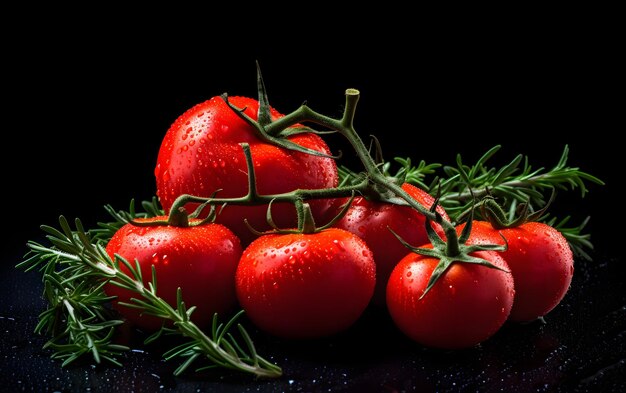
pixel 75 268
pixel 517 182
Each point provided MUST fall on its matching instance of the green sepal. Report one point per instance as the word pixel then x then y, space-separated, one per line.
pixel 453 250
pixel 264 136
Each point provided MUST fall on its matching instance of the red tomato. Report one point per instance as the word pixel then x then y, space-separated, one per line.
pixel 201 260
pixel 541 262
pixel 371 221
pixel 201 154
pixel 466 306
pixel 306 285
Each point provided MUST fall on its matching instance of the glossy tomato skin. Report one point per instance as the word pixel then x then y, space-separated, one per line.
pixel 467 306
pixel 302 286
pixel 202 260
pixel 541 261
pixel 371 221
pixel 201 154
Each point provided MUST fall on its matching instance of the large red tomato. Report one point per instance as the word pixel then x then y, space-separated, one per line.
pixel 541 262
pixel 371 221
pixel 306 285
pixel 201 154
pixel 201 260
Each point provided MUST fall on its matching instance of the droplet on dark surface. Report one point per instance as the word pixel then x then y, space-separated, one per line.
pixel 579 348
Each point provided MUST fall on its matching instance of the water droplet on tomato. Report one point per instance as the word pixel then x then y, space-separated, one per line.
pixel 192 142
pixel 155 258
pixel 409 273
pixel 166 260
pixel 166 176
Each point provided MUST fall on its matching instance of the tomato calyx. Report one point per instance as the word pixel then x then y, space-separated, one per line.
pixel 452 250
pixel 277 135
pixel 179 217
pixel 519 215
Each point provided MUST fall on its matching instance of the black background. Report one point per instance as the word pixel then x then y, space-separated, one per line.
pixel 86 103
pixel 85 111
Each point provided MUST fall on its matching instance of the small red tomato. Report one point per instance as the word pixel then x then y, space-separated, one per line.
pixel 371 221
pixel 201 154
pixel 306 285
pixel 466 306
pixel 541 261
pixel 201 260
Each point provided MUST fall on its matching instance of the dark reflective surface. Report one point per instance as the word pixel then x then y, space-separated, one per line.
pixel 580 348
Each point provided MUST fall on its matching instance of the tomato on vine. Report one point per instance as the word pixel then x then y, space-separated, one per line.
pixel 200 259
pixel 450 295
pixel 539 256
pixel 306 283
pixel 201 155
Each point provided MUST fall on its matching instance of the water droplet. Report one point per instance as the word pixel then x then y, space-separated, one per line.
pixel 409 273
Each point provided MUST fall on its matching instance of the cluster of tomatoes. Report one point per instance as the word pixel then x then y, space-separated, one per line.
pixel 316 283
